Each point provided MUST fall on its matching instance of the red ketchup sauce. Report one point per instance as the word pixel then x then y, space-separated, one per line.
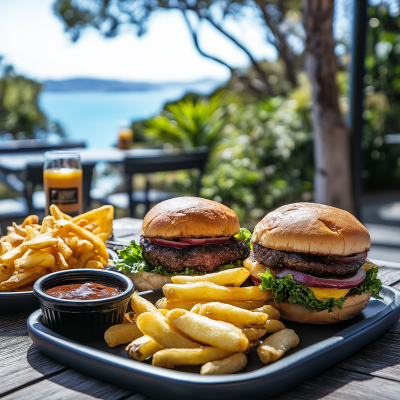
pixel 82 291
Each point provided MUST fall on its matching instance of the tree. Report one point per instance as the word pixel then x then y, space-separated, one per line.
pixel 284 29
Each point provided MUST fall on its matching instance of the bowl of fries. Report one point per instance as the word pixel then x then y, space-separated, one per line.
pixel 83 320
pixel 32 250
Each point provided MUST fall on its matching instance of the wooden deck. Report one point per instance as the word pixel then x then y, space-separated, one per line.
pixel 25 373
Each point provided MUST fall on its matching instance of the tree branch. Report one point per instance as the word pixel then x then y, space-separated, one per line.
pixel 284 50
pixel 196 43
pixel 253 61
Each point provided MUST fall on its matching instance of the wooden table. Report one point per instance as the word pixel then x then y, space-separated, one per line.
pixel 371 373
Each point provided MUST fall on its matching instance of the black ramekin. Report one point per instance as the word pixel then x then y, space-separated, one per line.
pixel 83 320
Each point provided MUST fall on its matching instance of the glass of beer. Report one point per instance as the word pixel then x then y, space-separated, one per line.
pixel 62 176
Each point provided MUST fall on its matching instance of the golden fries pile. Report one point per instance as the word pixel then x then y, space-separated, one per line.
pixel 219 328
pixel 30 251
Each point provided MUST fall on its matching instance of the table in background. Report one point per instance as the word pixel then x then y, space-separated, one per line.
pixel 371 373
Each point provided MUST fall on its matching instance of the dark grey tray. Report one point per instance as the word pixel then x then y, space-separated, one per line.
pixel 319 348
pixel 23 302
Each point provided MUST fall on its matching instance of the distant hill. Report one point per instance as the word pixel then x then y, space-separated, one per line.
pixel 100 85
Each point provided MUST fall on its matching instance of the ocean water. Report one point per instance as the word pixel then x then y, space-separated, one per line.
pixel 94 116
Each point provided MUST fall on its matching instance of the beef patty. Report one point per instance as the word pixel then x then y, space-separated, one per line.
pixel 204 258
pixel 323 266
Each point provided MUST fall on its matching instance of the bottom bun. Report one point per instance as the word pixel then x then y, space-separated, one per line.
pixel 299 313
pixel 148 281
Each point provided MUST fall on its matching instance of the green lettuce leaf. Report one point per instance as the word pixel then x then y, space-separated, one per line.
pixel 287 288
pixel 131 261
pixel 245 235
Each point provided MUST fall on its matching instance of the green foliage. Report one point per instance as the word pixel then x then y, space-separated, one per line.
pixel 371 284
pixel 189 123
pixel 245 235
pixel 382 80
pixel 20 114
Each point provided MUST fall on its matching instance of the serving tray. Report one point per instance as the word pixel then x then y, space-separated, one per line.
pixel 24 302
pixel 320 347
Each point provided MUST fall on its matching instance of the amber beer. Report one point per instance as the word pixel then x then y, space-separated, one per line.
pixel 62 176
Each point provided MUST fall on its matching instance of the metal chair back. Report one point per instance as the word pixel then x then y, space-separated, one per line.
pixel 163 161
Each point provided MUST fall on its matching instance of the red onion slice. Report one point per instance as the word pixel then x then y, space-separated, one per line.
pixel 169 243
pixel 308 280
pixel 205 240
pixel 355 257
pixel 256 281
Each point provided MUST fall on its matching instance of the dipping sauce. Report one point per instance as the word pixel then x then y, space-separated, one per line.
pixel 82 291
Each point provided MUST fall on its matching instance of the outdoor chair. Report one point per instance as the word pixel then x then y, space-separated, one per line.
pixel 162 162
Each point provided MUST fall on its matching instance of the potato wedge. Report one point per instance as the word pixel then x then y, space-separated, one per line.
pixel 140 305
pixel 34 258
pixel 143 348
pixel 272 312
pixel 205 330
pixel 121 334
pixel 170 358
pixel 9 257
pixel 22 279
pixel 230 277
pixel 228 365
pixel 206 291
pixel 155 326
pixel 253 332
pixel 273 325
pixel 276 345
pixel 231 314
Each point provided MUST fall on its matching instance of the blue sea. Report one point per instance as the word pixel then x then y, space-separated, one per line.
pixel 95 116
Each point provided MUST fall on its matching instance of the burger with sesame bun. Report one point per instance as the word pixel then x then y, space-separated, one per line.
pixel 313 258
pixel 184 235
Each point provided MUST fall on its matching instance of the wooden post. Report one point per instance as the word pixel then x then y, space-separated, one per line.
pixel 333 179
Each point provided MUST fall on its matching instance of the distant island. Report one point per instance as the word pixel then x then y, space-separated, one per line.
pixel 102 85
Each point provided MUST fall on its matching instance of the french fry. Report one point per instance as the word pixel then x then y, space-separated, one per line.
pixel 31 233
pixel 196 308
pixel 252 343
pixel 82 222
pixel 85 257
pixel 140 305
pixel 41 242
pixel 74 263
pixel 231 314
pixel 276 345
pixel 5 247
pixel 47 224
pixel 14 239
pixel 129 317
pixel 273 325
pixel 22 279
pixel 6 272
pixel 253 332
pixel 228 365
pixel 155 326
pixel 272 312
pixel 205 330
pixel 73 243
pixel 89 227
pixel 230 277
pixel 93 264
pixel 34 258
pixel 121 334
pixel 93 215
pixel 64 249
pixel 163 312
pixel 203 291
pixel 19 231
pixel 9 257
pixel 103 236
pixel 58 214
pixel 143 348
pixel 83 246
pixel 98 245
pixel 170 358
pixel 61 262
pixel 31 220
pixel 189 304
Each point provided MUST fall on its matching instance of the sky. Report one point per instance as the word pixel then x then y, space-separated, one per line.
pixel 33 40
